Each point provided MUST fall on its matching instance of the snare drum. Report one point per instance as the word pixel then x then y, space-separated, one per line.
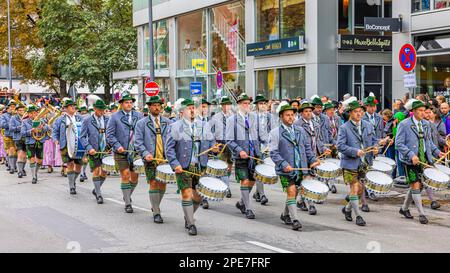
pixel 381 167
pixel 108 164
pixel 386 160
pixel 435 179
pixel 269 161
pixel 337 162
pixel 139 166
pixel 328 170
pixel 313 190
pixel 217 168
pixel 378 182
pixel 165 174
pixel 211 188
pixel 442 168
pixel 266 174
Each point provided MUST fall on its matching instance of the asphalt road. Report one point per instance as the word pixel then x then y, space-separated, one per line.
pixel 46 218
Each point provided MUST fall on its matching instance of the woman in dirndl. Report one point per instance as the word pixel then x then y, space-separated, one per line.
pixel 2 151
pixel 49 155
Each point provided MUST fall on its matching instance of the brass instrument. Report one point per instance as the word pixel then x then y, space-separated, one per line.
pixel 57 114
pixel 39 135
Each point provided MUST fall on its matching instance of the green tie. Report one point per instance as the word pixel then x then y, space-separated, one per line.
pixel 421 144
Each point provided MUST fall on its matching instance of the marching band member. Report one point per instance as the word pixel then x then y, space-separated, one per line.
pixel 242 140
pixel 7 138
pixel 289 149
pixel 15 125
pixel 353 137
pixel 312 136
pixel 413 141
pixel 120 135
pixel 185 142
pixel 203 121
pixel 83 112
pixel 335 123
pixel 151 136
pixel 59 133
pixel 263 123
pixel 321 119
pixel 35 147
pixel 371 116
pixel 218 125
pixel 93 139
pixel 3 154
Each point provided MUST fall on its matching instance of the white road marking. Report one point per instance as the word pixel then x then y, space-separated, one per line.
pixel 276 249
pixel 122 203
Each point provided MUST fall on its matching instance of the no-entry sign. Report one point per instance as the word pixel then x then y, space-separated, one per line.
pixel 151 89
pixel 407 57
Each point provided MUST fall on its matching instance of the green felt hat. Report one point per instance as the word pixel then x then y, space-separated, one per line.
pixel 32 108
pixel 328 105
pixel 99 104
pixel 285 106
pixel 354 105
pixel 260 98
pixel 126 96
pixel 187 102
pixel 315 100
pixel 68 102
pixel 204 101
pixel 225 100
pixel 414 104
pixel 243 97
pixel 154 99
pixel 306 105
pixel 370 100
pixel 168 109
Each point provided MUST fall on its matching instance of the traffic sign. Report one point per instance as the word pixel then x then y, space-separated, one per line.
pixel 151 89
pixel 147 80
pixel 219 79
pixel 407 57
pixel 196 88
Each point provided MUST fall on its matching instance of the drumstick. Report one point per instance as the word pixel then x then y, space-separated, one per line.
pixel 425 164
pixel 389 145
pixel 212 148
pixel 196 174
pixel 443 157
pixel 223 149
pixel 301 169
pixel 255 158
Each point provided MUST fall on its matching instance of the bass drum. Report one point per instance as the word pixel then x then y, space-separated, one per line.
pixel 74 148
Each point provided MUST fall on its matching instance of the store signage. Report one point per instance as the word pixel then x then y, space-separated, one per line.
pixel 365 42
pixel 286 45
pixel 407 57
pixel 382 24
pixel 409 80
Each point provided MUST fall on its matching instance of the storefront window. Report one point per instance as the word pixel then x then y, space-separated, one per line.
pixel 441 4
pixel 281 83
pixel 192 43
pixel 377 80
pixel 433 73
pixel 274 23
pixel 345 17
pixel 160 45
pixel 183 86
pixel 227 30
pixel 164 87
pixel 420 5
pixel 233 85
pixel 345 80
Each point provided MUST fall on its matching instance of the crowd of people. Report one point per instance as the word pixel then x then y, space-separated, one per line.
pixel 194 140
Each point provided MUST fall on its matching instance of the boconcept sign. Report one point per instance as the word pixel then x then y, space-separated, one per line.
pixel 382 24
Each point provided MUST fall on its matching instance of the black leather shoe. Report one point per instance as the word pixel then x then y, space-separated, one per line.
pixel 240 207
pixel 19 174
pixel 128 209
pixel 264 200
pixel 435 205
pixel 360 221
pixel 93 192
pixel 286 219
pixel 249 214
pixel 423 219
pixel 406 213
pixel 11 171
pixel 312 210
pixel 34 181
pixel 205 204
pixel 347 198
pixel 24 173
pixel 302 206
pixel 296 225
pixel 100 200
pixel 365 208
pixel 186 226
pixel 81 178
pixel 158 219
pixel 192 230
pixel 333 189
pixel 348 214
pixel 257 197
pixel 73 191
pixel 228 194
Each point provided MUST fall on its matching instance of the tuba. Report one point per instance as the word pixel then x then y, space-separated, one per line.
pixel 38 136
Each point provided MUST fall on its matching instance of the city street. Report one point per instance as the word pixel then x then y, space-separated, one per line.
pixel 45 218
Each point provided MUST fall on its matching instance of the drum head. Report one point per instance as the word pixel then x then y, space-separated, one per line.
pixel 109 160
pixel 138 162
pixel 381 166
pixel 436 175
pixel 315 186
pixel 269 161
pixel 217 164
pixel 386 160
pixel 334 161
pixel 442 168
pixel 71 142
pixel 213 183
pixel 165 168
pixel 266 170
pixel 379 178
pixel 328 166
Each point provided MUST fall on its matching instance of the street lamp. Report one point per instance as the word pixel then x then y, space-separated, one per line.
pixel 9 49
pixel 150 45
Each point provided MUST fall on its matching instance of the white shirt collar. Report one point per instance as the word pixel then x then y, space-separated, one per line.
pixel 153 118
pixel 416 122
